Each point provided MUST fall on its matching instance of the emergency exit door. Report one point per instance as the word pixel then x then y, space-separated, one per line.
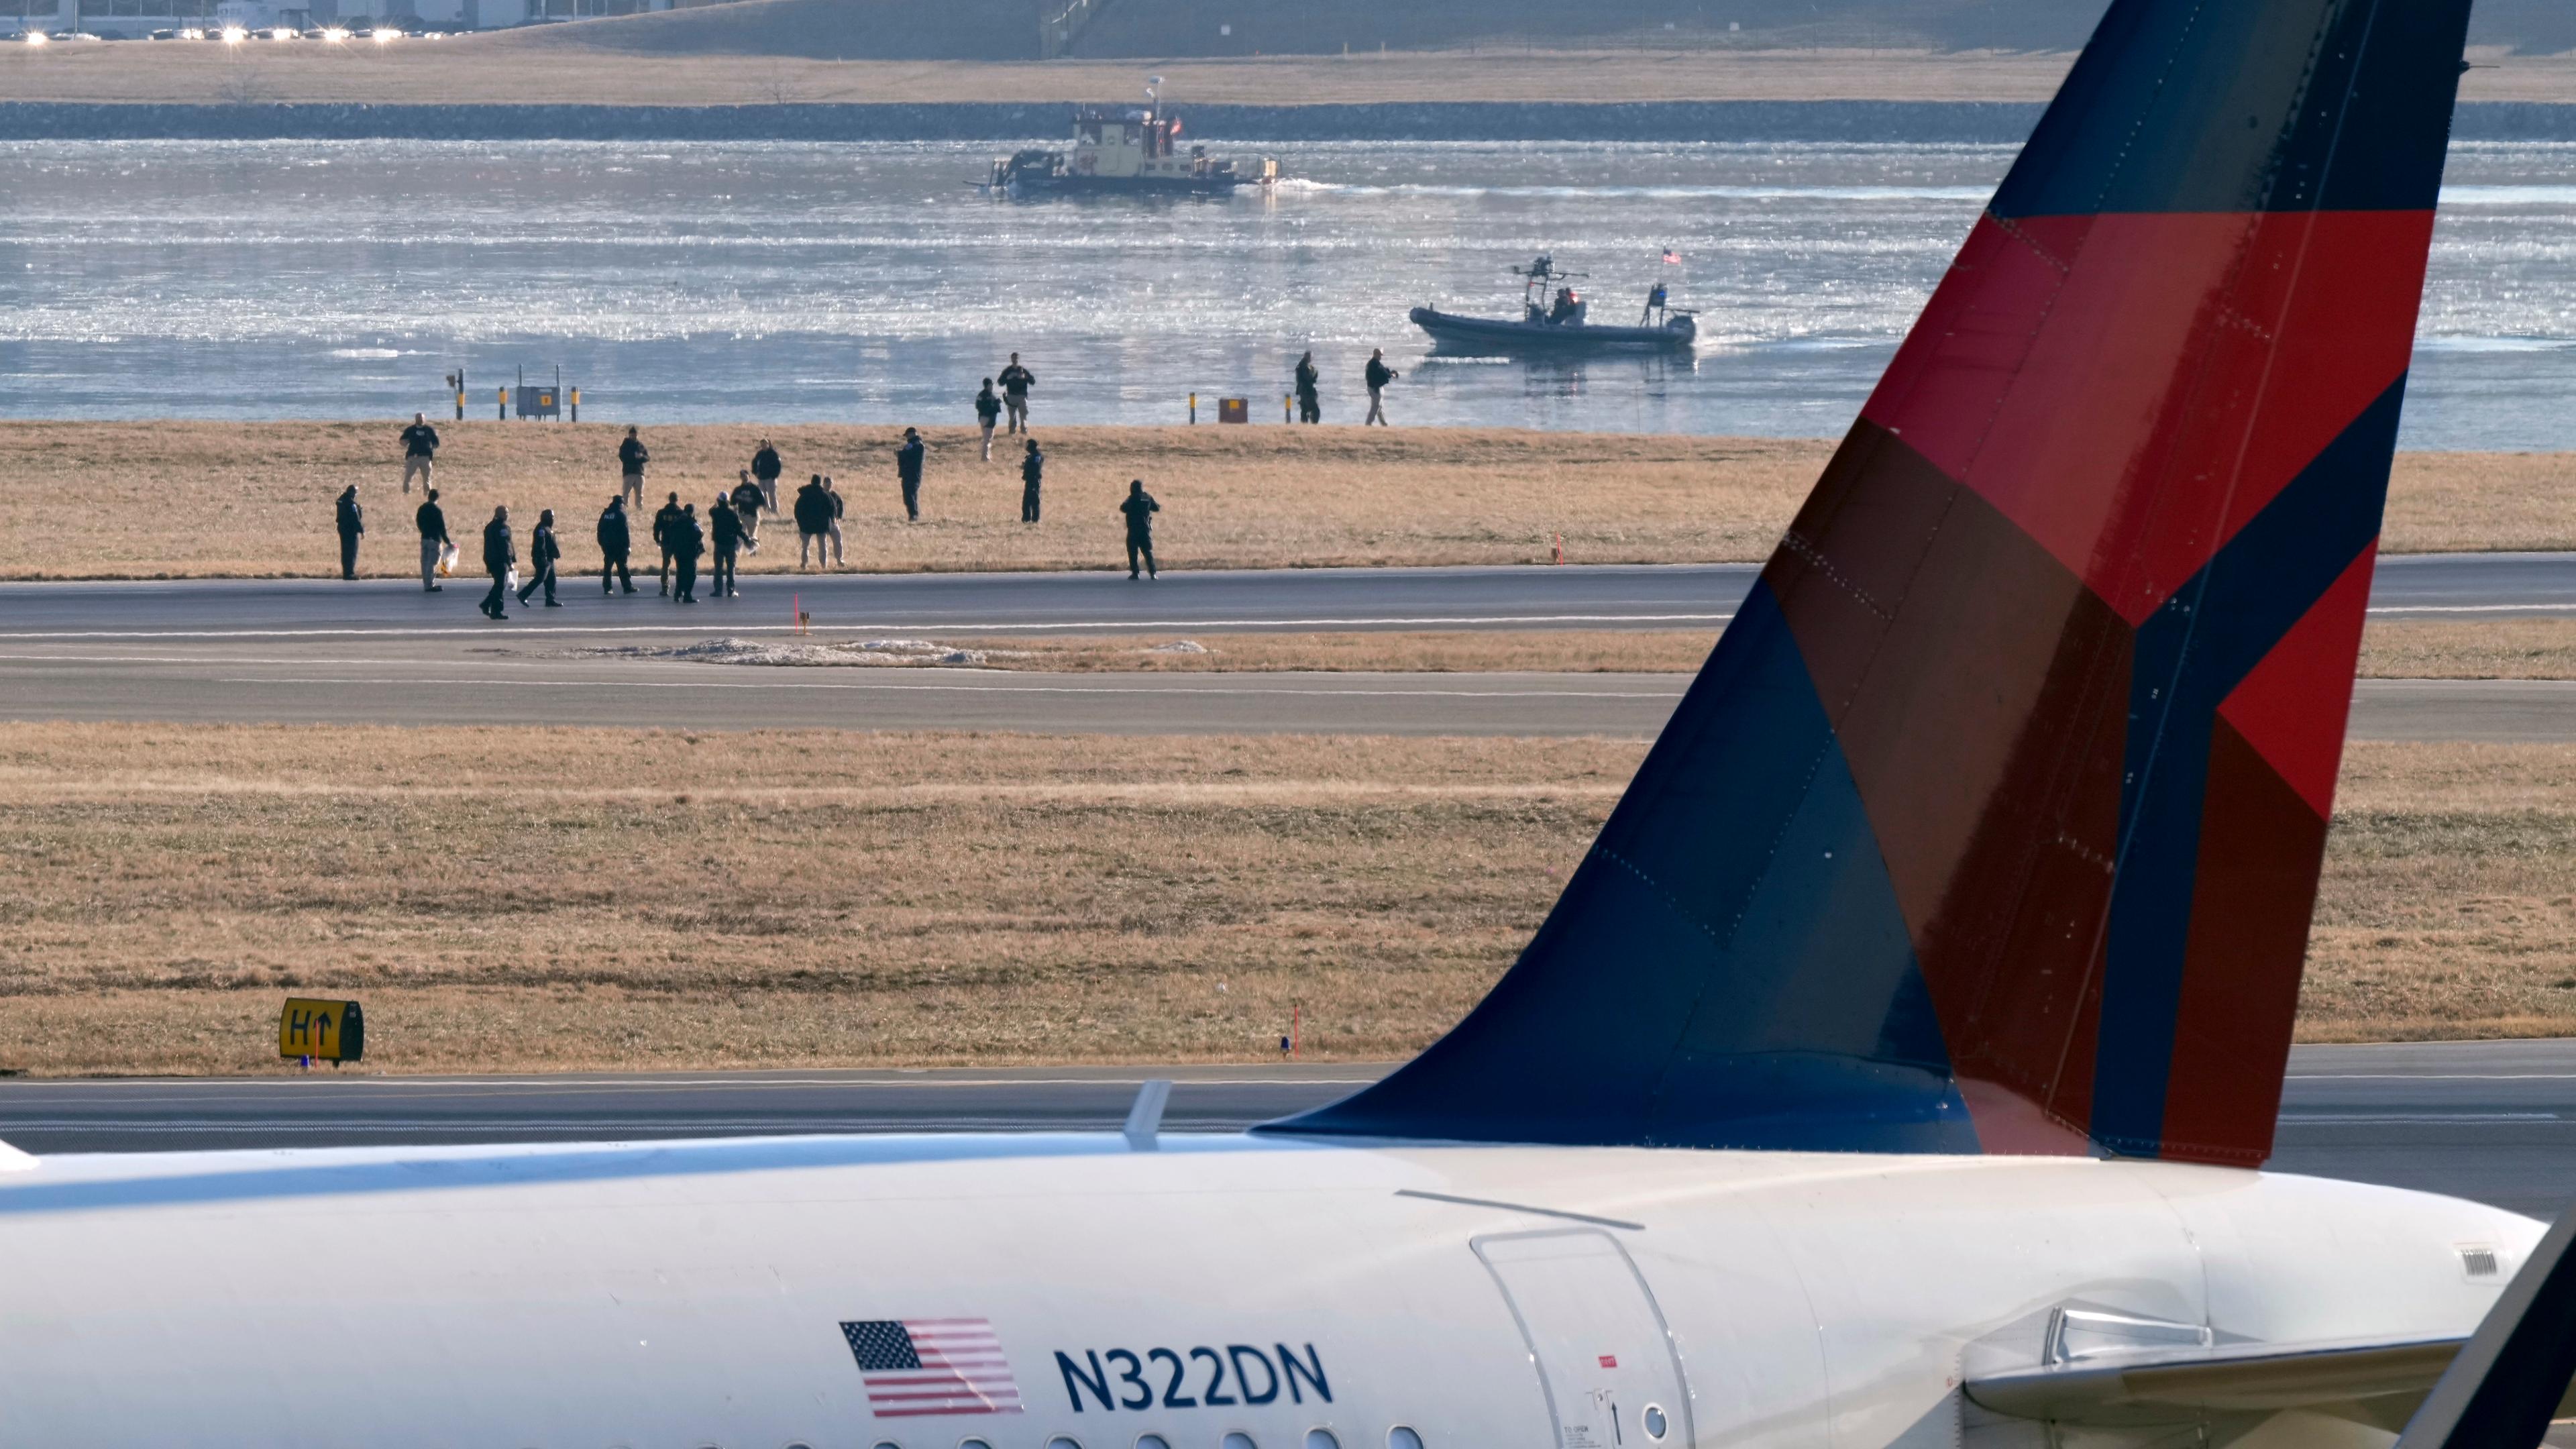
pixel 1604 1357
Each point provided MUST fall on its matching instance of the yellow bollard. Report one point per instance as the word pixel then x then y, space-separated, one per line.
pixel 576 405
pixel 1287 407
pixel 501 404
pixel 1194 407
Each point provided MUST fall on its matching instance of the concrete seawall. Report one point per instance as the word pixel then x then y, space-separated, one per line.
pixel 1856 121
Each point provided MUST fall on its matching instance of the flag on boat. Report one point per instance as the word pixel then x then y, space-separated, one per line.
pixel 1672 258
pixel 918 1366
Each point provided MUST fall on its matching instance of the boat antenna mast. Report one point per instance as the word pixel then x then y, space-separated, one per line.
pixel 1537 275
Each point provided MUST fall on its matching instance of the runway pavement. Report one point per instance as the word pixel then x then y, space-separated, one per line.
pixel 384 653
pixel 2490 1120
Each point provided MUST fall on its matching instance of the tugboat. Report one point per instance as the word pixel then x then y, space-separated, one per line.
pixel 1560 323
pixel 1131 149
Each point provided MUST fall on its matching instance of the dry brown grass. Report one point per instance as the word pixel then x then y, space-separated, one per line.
pixel 572 898
pixel 2449 906
pixel 227 499
pixel 2496 649
pixel 230 499
pixel 559 69
pixel 594 898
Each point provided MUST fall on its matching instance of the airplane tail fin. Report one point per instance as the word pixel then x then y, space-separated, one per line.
pixel 1994 821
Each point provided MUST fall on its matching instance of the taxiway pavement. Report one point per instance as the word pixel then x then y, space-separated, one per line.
pixel 2489 1120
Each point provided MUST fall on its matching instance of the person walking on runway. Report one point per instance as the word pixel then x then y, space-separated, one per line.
pixel 432 522
pixel 1140 508
pixel 748 500
pixel 1310 399
pixel 631 458
pixel 907 472
pixel 352 523
pixel 724 527
pixel 614 540
pixel 765 468
pixel 1032 479
pixel 666 523
pixel 420 449
pixel 988 411
pixel 688 541
pixel 498 554
pixel 831 521
pixel 543 555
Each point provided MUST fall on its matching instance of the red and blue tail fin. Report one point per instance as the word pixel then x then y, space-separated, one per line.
pixel 1994 822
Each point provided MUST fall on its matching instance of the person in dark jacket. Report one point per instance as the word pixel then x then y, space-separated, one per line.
pixel 498 554
pixel 813 523
pixel 353 522
pixel 907 471
pixel 725 525
pixel 614 540
pixel 1377 375
pixel 1310 401
pixel 665 520
pixel 432 521
pixel 687 542
pixel 766 468
pixel 748 500
pixel 631 458
pixel 988 411
pixel 1140 508
pixel 543 555
pixel 420 447
pixel 1032 476
pixel 1016 382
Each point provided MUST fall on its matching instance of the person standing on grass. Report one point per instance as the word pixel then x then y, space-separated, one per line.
pixel 831 521
pixel 1016 382
pixel 614 540
pixel 1377 375
pixel 688 541
pixel 766 467
pixel 498 554
pixel 907 472
pixel 420 446
pixel 1032 478
pixel 666 536
pixel 631 458
pixel 352 522
pixel 813 511
pixel 1140 508
pixel 725 527
pixel 542 558
pixel 1310 401
pixel 988 411
pixel 432 522
pixel 748 500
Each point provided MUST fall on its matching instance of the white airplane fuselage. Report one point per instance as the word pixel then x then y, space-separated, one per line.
pixel 692 1294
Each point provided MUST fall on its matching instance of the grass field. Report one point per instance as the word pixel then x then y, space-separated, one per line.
pixel 558 66
pixel 228 499
pixel 568 898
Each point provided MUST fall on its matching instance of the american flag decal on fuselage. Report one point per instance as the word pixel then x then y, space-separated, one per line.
pixel 919 1366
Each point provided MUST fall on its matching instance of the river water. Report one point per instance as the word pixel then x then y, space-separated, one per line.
pixel 868 282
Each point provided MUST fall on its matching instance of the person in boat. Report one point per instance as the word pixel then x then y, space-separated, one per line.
pixel 1566 302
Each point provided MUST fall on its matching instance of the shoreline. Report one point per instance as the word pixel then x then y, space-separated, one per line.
pixel 1955 122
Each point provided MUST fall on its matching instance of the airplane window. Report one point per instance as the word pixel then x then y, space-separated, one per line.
pixel 973 1444
pixel 1322 1439
pixel 1236 1441
pixel 1656 1425
pixel 1151 1441
pixel 1401 1437
pixel 887 1444
pixel 1061 1442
